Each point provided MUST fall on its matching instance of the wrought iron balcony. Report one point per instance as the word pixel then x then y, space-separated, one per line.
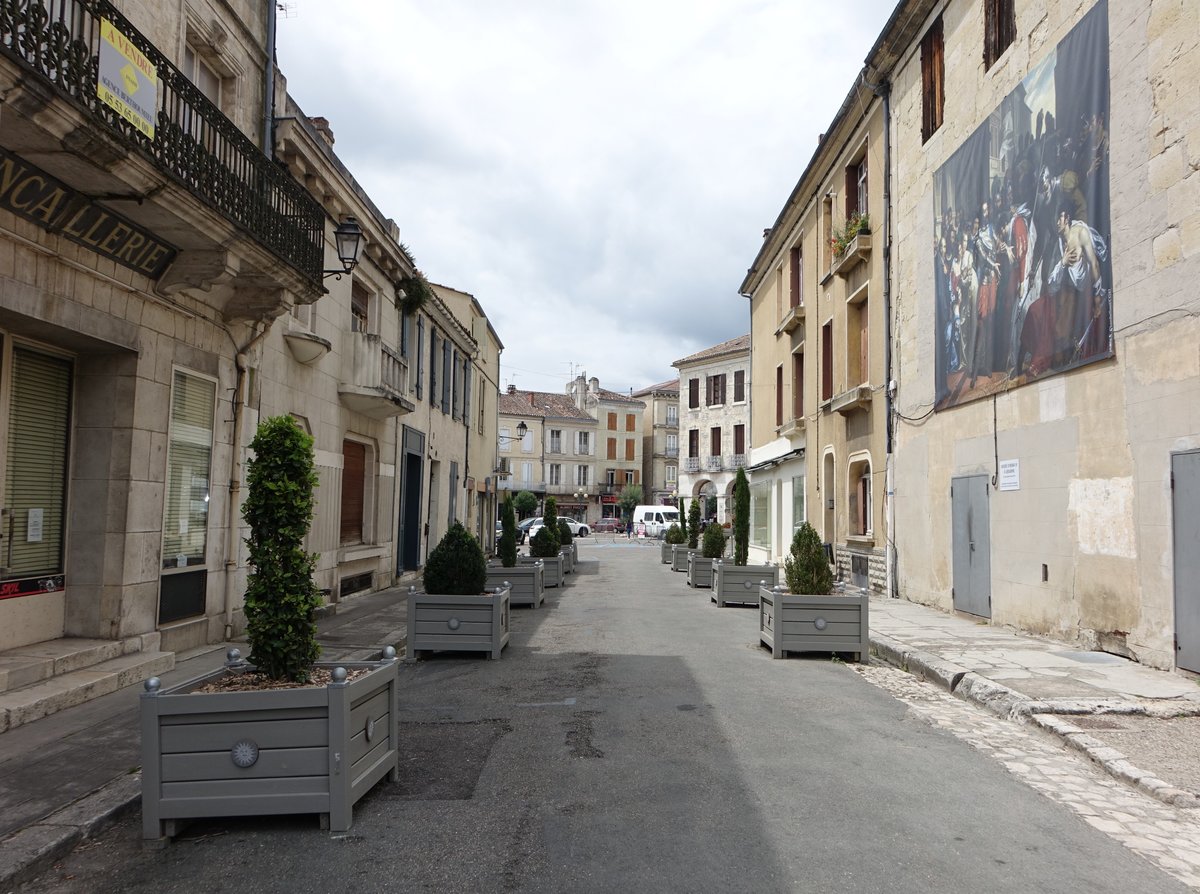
pixel 378 378
pixel 691 464
pixel 670 452
pixel 193 142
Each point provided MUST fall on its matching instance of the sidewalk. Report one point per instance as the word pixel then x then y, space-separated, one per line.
pixel 1142 725
pixel 68 776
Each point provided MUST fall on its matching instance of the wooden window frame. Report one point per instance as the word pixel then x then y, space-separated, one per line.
pixel 933 80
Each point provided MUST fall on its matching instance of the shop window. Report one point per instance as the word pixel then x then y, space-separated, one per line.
pixel 760 504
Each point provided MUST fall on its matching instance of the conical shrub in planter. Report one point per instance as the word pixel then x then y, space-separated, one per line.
pixel 281 597
pixel 737 581
pixel 741 518
pixel 693 524
pixel 456 566
pixel 672 538
pixel 455 613
pixel 806 569
pixel 810 618
pixel 508 534
pixel 700 567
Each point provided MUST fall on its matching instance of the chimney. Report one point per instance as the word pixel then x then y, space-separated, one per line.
pixel 512 389
pixel 323 128
pixel 593 385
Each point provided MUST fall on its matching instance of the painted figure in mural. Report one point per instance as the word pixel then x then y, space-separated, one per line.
pixel 1078 278
pixel 988 275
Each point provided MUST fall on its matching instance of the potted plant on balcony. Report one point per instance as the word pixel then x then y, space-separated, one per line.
pixel 282 733
pixel 809 615
pixel 671 539
pixel 456 612
pixel 544 546
pixel 526 582
pixel 740 582
pixel 680 555
pixel 700 567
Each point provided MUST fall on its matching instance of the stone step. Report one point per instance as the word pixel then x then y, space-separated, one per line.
pixel 40 699
pixel 31 664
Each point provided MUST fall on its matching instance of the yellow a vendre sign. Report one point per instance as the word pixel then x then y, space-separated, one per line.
pixel 128 81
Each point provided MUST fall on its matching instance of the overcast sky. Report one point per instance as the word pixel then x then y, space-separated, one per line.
pixel 598 173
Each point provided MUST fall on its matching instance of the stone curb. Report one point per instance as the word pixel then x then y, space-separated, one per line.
pixel 1114 762
pixel 34 849
pixel 1012 705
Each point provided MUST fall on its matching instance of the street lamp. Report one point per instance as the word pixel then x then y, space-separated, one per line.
pixel 348 239
pixel 522 430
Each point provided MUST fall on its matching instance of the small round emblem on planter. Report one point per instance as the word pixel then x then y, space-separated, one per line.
pixel 748 584
pixel 370 728
pixel 454 623
pixel 244 753
pixel 820 623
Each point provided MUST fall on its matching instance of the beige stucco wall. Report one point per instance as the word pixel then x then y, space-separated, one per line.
pixel 1094 444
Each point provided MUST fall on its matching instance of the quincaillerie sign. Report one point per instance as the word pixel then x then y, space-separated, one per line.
pixel 31 193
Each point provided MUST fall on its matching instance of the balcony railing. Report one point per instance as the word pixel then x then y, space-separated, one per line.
pixel 735 461
pixel 691 464
pixel 712 464
pixel 671 452
pixel 193 142
pixel 378 379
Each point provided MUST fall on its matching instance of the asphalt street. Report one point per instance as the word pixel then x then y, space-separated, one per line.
pixel 634 737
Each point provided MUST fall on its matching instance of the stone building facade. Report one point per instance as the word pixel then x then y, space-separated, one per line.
pixel 163 287
pixel 1047 440
pixel 660 442
pixel 714 417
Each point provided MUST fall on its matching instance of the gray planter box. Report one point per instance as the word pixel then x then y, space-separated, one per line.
pixel 666 552
pixel 790 622
pixel 679 557
pixel 458 623
pixel 568 556
pixel 740 583
pixel 699 570
pixel 554 568
pixel 312 750
pixel 527 583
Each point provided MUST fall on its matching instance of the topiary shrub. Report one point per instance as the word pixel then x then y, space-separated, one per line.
pixel 714 542
pixel 693 524
pixel 456 567
pixel 508 533
pixel 683 521
pixel 564 533
pixel 543 545
pixel 281 597
pixel 806 569
pixel 741 518
pixel 550 521
pixel 675 535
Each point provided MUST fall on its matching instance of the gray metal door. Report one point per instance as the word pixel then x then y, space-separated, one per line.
pixel 972 545
pixel 1185 499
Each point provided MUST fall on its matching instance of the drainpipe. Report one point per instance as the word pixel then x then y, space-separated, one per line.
pixel 268 146
pixel 241 359
pixel 883 90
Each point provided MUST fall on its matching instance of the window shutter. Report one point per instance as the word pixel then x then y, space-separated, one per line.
pixel 420 355
pixel 693 393
pixel 39 424
pixel 354 464
pixel 739 439
pixel 739 385
pixel 467 392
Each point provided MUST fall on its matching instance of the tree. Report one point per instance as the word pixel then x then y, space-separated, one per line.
pixel 741 518
pixel 544 544
pixel 456 567
pixel 631 496
pixel 694 524
pixel 806 569
pixel 508 534
pixel 683 521
pixel 281 597
pixel 525 503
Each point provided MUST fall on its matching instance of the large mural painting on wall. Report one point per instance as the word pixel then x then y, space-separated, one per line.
pixel 1022 261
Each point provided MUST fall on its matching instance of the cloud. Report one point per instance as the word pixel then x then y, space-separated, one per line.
pixel 597 174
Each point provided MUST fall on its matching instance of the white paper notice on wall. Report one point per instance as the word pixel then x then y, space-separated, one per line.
pixel 1010 475
pixel 33 526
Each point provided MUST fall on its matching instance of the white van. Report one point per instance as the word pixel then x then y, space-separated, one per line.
pixel 655 519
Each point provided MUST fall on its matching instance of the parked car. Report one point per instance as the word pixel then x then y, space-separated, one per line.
pixel 520 533
pixel 578 528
